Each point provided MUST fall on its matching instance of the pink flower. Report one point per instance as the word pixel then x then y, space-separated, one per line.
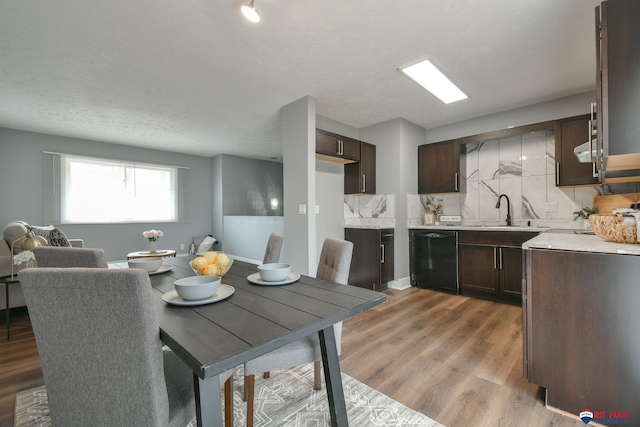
pixel 153 235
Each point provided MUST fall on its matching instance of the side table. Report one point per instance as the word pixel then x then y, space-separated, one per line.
pixel 8 281
pixel 146 254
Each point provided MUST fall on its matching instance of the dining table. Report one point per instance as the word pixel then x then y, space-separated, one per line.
pixel 255 319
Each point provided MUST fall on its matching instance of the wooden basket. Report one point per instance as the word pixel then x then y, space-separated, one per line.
pixel 609 228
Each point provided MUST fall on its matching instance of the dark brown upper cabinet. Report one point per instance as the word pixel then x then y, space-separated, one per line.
pixel 360 177
pixel 439 168
pixel 618 76
pixel 336 148
pixel 569 133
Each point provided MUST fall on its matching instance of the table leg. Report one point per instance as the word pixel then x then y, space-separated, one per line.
pixel 333 378
pixel 208 404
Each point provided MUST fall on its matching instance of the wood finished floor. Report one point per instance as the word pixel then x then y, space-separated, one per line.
pixel 456 359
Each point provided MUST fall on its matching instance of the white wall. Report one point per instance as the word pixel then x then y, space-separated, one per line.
pixel 329 198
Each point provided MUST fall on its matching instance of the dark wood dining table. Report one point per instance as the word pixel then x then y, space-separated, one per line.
pixel 256 319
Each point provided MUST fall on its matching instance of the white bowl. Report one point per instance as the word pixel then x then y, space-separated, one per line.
pixel 197 287
pixel 149 264
pixel 274 272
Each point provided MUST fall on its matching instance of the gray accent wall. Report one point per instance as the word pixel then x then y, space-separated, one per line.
pixel 22 193
pixel 299 146
pixel 568 106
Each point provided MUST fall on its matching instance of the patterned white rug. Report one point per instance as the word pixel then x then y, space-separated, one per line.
pixel 287 399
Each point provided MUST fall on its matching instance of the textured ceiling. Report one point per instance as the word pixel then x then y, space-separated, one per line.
pixel 196 77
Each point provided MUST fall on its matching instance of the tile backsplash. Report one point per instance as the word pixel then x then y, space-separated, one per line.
pixel 523 168
pixel 376 209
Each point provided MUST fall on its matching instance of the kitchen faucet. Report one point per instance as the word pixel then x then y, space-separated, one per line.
pixel 508 207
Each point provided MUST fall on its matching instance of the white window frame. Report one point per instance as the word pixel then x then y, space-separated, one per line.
pixel 91 190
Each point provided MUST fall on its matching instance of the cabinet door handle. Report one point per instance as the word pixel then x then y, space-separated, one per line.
pixel 495 258
pixel 382 254
pixel 456 180
pixel 364 183
pixel 557 173
pixel 595 170
pixel 500 257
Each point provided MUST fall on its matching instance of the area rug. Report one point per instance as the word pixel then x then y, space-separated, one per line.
pixel 287 399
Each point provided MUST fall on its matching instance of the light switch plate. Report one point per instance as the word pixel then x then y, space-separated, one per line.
pixel 552 207
pixel 317 209
pixel 302 209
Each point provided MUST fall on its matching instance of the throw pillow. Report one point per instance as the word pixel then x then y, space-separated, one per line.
pixel 57 238
pixel 53 236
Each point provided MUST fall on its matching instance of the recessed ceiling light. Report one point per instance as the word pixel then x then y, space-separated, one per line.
pixel 428 76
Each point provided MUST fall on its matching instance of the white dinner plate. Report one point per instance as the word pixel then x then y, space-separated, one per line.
pixel 255 279
pixel 163 269
pixel 224 292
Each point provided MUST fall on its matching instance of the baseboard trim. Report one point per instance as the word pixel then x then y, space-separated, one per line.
pixel 400 284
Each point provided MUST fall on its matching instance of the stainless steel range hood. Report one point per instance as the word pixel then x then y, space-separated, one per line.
pixel 585 152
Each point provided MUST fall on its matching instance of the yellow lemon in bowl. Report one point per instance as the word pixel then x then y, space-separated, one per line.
pixel 199 262
pixel 211 257
pixel 222 260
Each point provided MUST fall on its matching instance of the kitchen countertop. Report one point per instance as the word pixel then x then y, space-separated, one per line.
pixel 580 243
pixel 371 227
pixel 480 228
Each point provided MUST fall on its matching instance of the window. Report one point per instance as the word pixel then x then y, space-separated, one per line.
pixel 92 190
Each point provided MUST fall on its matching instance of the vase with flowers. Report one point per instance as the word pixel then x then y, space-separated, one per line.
pixel 25 257
pixel 152 237
pixel 431 210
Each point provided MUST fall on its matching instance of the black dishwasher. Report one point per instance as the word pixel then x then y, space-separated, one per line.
pixel 434 260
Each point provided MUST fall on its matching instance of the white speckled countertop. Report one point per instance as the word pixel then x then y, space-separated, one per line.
pixel 369 226
pixel 580 243
pixel 479 228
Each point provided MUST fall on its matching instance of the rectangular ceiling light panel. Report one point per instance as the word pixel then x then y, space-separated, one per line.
pixel 429 77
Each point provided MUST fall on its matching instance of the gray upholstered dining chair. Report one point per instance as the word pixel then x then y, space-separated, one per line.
pixel 66 257
pixel 334 264
pixel 274 247
pixel 102 359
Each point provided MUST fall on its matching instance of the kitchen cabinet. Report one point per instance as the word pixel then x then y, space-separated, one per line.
pixel 580 320
pixel 336 148
pixel 360 177
pixel 618 86
pixel 569 133
pixel 439 168
pixel 490 264
pixel 373 257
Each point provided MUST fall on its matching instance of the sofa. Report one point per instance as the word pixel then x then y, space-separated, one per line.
pixel 17 229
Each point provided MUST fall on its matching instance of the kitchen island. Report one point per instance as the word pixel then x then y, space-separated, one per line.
pixel 580 324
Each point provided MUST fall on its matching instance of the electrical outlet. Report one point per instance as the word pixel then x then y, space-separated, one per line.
pixel 302 209
pixel 552 207
pixel 182 246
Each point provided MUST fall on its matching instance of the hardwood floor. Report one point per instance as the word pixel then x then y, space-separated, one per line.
pixel 456 359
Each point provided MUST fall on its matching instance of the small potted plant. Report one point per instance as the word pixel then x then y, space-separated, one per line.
pixel 583 215
pixel 431 210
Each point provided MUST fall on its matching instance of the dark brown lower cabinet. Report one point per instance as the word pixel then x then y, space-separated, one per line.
pixel 373 259
pixel 580 326
pixel 490 264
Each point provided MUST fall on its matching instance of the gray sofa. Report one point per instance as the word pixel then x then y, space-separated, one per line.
pixel 17 229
